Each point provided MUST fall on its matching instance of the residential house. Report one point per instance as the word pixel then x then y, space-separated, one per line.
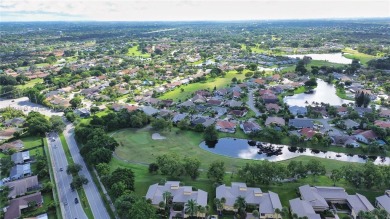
pixel 273 107
pixel 14 122
pixel 279 121
pixel 350 124
pixel 236 95
pixel 344 140
pixel 219 110
pixel 167 103
pixel 298 110
pixel 342 111
pixel 198 99
pixel 82 112
pixel 301 123
pixel 302 209
pixel 14 210
pixel 186 104
pixel 365 136
pixel 214 102
pixel 179 116
pixel 180 194
pixel 269 98
pixel 20 157
pixel 259 81
pixel 362 110
pixel 384 113
pixel 149 110
pixel 248 127
pixel 205 121
pixel 20 171
pixel 15 145
pixel 358 203
pixel 382 124
pixel 22 186
pixel 225 126
pixel 238 113
pixel 308 133
pixel 322 198
pixel 203 93
pixel 221 92
pixel 266 203
pixel 383 202
pixel 234 103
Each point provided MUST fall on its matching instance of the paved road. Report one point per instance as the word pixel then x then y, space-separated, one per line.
pixel 251 103
pixel 69 209
pixel 24 104
pixel 95 201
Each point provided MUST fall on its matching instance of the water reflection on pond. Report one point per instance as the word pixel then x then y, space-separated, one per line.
pixel 242 148
pixel 324 92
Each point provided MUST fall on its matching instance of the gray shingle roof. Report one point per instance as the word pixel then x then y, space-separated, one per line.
pixel 311 195
pixel 384 201
pixel 179 193
pixel 267 202
pixel 359 203
pixel 303 208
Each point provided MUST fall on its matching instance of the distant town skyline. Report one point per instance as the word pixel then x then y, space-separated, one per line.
pixel 189 10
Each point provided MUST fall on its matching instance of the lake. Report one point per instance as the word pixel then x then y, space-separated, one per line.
pixel 330 57
pixel 324 92
pixel 244 149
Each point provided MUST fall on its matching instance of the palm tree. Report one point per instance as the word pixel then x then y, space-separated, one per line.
pixel 191 208
pixel 241 203
pixel 218 204
pixel 166 196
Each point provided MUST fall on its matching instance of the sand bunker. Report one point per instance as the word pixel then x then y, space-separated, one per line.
pixel 157 136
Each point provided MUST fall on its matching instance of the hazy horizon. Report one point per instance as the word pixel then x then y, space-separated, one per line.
pixel 187 10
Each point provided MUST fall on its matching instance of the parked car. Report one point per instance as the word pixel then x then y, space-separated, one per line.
pixel 76 201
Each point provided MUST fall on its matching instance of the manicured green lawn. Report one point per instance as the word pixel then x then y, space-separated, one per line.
pixel 136 145
pixel 354 54
pixel 189 89
pixel 30 83
pixel 318 63
pixel 133 51
pixel 31 141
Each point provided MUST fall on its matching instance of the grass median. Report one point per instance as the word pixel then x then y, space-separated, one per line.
pixel 81 192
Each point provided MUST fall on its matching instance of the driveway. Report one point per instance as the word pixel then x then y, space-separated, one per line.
pixel 327 126
pixel 26 106
pixel 251 103
pixel 58 159
pixel 95 201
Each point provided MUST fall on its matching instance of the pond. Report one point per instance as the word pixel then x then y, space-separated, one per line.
pixel 324 92
pixel 246 149
pixel 330 57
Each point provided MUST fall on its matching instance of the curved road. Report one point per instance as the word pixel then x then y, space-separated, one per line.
pixel 95 201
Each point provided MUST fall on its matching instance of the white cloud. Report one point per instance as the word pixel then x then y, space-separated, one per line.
pixel 120 10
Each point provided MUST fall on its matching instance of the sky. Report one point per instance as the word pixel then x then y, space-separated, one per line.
pixel 188 10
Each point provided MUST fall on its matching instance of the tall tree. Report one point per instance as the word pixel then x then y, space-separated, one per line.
pixel 316 168
pixel 191 166
pixel 216 171
pixel 210 134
